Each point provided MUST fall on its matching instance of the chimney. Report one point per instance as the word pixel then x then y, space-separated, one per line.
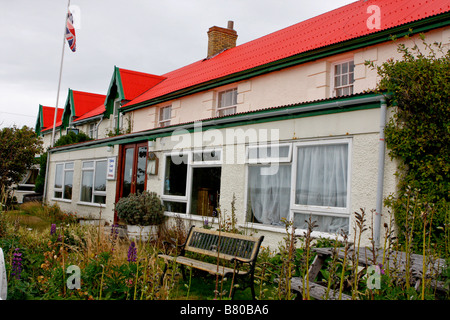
pixel 220 39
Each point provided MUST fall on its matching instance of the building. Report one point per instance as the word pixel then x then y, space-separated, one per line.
pixel 284 126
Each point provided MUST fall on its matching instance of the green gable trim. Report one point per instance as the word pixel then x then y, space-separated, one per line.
pixel 39 121
pixel 69 110
pixel 416 27
pixel 115 91
pixel 300 110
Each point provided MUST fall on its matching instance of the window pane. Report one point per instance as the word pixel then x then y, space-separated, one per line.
pixel 337 81
pixel 88 164
pixel 337 69
pixel 59 176
pixel 344 68
pixel 86 186
pixel 100 199
pixel 324 223
pixel 344 79
pixel 100 176
pixel 269 195
pixel 209 155
pixel 177 207
pixel 128 171
pixel 141 169
pixel 175 175
pixel 322 175
pixel 69 165
pixel 58 194
pixel 68 181
pixel 227 111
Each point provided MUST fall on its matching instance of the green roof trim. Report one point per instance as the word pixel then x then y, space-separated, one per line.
pixel 115 91
pixel 39 121
pixel 412 28
pixel 299 110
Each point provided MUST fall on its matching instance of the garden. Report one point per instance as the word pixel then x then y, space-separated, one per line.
pixel 49 255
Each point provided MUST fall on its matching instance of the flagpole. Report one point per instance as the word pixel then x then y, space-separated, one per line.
pixel 59 82
pixel 44 197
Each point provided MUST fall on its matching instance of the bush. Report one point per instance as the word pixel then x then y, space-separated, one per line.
pixel 143 209
pixel 418 137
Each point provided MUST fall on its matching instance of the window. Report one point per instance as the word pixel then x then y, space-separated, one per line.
pixel 63 181
pixel 93 181
pixel 92 131
pixel 165 115
pixel 314 183
pixel 268 194
pixel 227 102
pixel 343 78
pixel 117 120
pixel 192 181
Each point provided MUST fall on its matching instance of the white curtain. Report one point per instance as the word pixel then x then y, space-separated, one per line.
pixel 322 175
pixel 269 195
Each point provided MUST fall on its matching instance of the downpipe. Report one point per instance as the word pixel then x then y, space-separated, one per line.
pixel 380 183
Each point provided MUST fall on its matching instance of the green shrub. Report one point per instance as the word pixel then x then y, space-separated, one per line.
pixel 143 209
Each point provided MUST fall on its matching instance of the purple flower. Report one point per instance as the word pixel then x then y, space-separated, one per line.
pixel 16 264
pixel 381 268
pixel 53 229
pixel 132 254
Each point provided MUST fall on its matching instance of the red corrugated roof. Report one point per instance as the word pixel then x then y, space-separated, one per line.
pixel 345 23
pixel 135 83
pixel 94 112
pixel 48 114
pixel 85 102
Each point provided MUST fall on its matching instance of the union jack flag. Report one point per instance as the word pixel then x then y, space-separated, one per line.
pixel 70 32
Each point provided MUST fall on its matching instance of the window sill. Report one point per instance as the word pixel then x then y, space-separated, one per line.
pixel 91 204
pixel 282 230
pixel 62 200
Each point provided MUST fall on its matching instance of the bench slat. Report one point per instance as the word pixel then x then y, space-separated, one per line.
pixel 205 266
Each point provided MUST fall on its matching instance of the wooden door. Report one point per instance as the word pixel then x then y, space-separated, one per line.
pixel 132 169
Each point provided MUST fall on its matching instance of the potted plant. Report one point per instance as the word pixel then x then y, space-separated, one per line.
pixel 142 213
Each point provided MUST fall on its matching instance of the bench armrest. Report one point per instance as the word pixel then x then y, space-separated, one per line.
pixel 240 260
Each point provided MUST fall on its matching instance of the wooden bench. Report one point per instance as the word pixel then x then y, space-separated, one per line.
pixel 240 250
pixel 365 258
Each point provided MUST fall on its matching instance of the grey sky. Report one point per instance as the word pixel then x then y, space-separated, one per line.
pixel 143 35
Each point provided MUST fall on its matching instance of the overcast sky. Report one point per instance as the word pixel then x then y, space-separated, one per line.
pixel 143 35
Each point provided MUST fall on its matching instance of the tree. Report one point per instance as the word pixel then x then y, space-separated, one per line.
pixel 418 136
pixel 67 139
pixel 18 149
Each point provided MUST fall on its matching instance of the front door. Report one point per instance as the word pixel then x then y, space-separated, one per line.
pixel 133 169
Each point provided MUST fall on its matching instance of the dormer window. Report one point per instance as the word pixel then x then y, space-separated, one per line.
pixel 343 78
pixel 227 102
pixel 118 121
pixel 165 114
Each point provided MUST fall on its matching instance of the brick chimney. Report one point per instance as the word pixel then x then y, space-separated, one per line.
pixel 221 38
